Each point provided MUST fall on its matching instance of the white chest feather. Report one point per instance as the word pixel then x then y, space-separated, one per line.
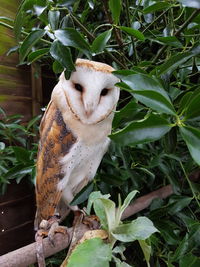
pixel 80 166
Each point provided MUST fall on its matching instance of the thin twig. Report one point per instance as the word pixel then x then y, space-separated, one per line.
pixel 116 31
pixel 190 184
pixel 185 24
pixel 23 32
pixel 91 37
pixel 129 25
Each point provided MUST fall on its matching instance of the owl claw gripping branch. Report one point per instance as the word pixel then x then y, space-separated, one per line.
pixel 73 137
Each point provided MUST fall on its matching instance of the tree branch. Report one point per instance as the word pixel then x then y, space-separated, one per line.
pixel 144 201
pixel 27 255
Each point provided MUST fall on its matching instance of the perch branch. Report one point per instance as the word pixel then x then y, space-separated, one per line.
pixel 27 255
pixel 144 201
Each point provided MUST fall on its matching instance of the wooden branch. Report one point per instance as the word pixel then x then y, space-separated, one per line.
pixel 144 201
pixel 27 255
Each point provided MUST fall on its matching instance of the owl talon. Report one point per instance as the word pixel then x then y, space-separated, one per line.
pixel 92 221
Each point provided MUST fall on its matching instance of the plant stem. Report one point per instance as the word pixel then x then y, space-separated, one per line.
pixel 91 37
pixel 190 184
pixel 23 32
pixel 135 56
pixel 116 31
pixel 193 15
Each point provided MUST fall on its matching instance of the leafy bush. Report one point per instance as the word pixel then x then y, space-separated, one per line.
pixel 154 47
pixel 17 150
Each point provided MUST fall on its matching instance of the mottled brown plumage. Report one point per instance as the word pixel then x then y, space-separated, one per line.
pixel 74 136
pixel 55 142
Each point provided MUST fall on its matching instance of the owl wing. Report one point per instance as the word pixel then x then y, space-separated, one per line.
pixel 56 141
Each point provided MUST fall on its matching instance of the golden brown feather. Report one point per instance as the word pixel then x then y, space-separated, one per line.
pixel 55 142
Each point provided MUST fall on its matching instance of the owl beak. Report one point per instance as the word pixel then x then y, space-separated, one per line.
pixel 88 112
pixel 89 108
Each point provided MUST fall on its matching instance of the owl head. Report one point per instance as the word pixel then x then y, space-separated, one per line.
pixel 90 92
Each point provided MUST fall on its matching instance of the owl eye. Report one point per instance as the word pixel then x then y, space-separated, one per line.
pixel 78 87
pixel 104 92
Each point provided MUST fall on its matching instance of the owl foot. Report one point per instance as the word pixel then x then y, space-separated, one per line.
pixel 92 221
pixel 48 228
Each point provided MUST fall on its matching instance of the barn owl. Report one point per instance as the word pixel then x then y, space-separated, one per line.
pixel 74 135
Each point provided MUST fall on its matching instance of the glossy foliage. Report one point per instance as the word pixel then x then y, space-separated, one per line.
pixel 154 47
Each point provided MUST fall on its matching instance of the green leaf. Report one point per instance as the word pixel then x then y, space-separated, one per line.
pixel 175 61
pixel 33 56
pixel 149 92
pixel 21 154
pixel 93 252
pixel 169 40
pixel 177 203
pixel 146 248
pixel 127 201
pixel 185 101
pixel 57 67
pixel 19 19
pixel 33 121
pixel 189 260
pixel 18 171
pixel 93 196
pixel 187 244
pixel 191 3
pixel 29 42
pixel 192 138
pixel 71 37
pixel 127 113
pixel 100 42
pixel 157 6
pixel 193 110
pixel 132 32
pixel 144 131
pixel 115 8
pixel 82 195
pixel 62 54
pixel 53 17
pixel 139 229
pixel 109 207
pixel 100 212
